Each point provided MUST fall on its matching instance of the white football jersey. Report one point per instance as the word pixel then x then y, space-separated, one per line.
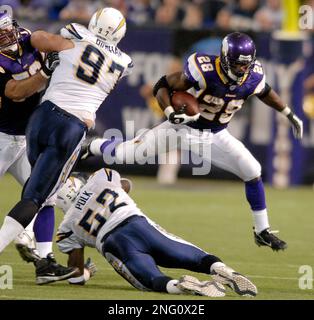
pixel 86 73
pixel 101 206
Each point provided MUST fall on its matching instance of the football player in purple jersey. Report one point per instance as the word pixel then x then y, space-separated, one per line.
pixel 221 85
pixel 23 76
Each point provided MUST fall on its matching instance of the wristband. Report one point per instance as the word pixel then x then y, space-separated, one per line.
pixel 83 278
pixel 286 111
pixel 168 111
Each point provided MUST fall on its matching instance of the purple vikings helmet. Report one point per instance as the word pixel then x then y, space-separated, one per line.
pixel 237 55
pixel 9 35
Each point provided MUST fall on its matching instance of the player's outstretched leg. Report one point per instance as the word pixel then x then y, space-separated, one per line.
pixel 236 281
pixel 191 285
pixel 262 234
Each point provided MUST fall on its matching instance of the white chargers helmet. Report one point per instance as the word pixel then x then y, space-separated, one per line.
pixel 108 24
pixel 68 193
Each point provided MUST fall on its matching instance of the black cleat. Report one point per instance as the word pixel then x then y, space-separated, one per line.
pixel 267 238
pixel 27 254
pixel 48 270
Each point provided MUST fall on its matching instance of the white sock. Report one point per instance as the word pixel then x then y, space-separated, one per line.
pixel 9 231
pixel 216 265
pixel 172 287
pixel 44 248
pixel 95 146
pixel 31 225
pixel 260 220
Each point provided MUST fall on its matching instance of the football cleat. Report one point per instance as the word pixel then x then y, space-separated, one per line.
pixel 234 280
pixel 267 238
pixel 192 285
pixel 48 270
pixel 85 148
pixel 25 245
pixel 26 253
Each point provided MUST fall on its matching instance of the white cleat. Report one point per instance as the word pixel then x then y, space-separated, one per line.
pixel 236 281
pixel 192 285
pixel 25 245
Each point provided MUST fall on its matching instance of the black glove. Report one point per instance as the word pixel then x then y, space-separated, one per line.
pixel 50 64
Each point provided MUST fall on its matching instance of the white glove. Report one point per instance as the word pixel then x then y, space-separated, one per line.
pixel 296 122
pixel 179 118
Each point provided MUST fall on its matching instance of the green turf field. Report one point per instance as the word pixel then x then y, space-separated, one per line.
pixel 213 215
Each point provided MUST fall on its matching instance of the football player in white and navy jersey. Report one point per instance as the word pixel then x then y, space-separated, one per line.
pixel 102 215
pixel 90 67
pixel 221 85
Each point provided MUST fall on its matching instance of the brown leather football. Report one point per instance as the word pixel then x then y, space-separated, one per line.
pixel 184 102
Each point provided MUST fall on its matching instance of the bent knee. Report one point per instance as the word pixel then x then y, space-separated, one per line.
pixel 250 169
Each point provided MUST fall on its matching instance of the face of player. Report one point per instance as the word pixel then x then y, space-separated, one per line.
pixel 240 69
pixel 9 40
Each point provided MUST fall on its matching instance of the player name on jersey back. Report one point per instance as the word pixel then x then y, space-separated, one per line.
pixel 87 73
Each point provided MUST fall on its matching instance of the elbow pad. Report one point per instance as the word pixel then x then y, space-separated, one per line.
pixel 161 83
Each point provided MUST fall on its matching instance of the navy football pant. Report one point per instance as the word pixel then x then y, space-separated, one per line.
pixel 136 247
pixel 53 143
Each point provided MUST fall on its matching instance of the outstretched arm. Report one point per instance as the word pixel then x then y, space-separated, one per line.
pixel 273 100
pixel 86 270
pixel 18 90
pixel 48 42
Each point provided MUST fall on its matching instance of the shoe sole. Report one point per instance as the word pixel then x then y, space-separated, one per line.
pixel 192 285
pixel 49 279
pixel 265 244
pixel 26 253
pixel 238 283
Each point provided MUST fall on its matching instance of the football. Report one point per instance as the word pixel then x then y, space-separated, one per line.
pixel 184 102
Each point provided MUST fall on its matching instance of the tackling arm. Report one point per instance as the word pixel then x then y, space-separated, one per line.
pixel 273 100
pixel 48 42
pixel 86 270
pixel 18 90
pixel 162 91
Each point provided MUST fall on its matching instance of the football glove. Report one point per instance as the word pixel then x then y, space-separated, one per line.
pixel 50 64
pixel 91 267
pixel 179 118
pixel 296 122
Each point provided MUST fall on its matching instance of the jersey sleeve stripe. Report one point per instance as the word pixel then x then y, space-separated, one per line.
pixel 72 30
pixel 109 174
pixel 63 235
pixel 204 84
pixel 260 87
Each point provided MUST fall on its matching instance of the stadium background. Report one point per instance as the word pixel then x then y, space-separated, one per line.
pixel 160 35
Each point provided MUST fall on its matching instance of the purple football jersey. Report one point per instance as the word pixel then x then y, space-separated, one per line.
pixel 219 98
pixel 14 115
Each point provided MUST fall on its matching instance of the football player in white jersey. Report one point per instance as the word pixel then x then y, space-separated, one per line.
pixel 90 66
pixel 103 216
